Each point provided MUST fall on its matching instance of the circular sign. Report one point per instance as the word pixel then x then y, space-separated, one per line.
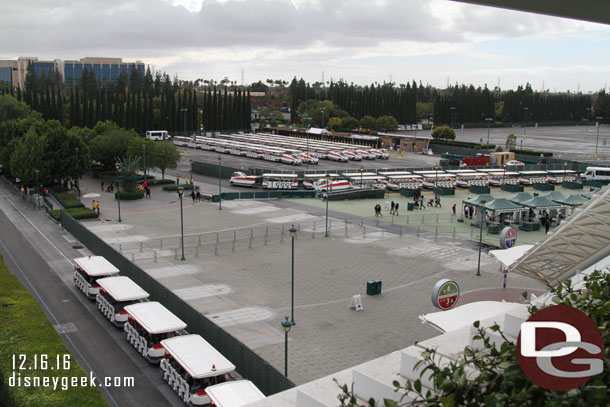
pixel 445 294
pixel 560 348
pixel 508 237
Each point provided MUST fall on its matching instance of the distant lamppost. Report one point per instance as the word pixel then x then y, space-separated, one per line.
pixel 597 139
pixel 37 171
pixel 327 197
pixel 361 172
pixel 144 159
pixel 488 120
pixel 525 109
pixel 482 207
pixel 118 193
pixel 184 110
pixel 292 231
pixel 435 176
pixel 219 187
pixel 504 180
pixel 77 173
pixel 180 193
pixel 588 111
pixel 323 110
pixel 452 109
pixel 286 325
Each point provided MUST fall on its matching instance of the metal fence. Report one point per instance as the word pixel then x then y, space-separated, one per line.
pixel 250 365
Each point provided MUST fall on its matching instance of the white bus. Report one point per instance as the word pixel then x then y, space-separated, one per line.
pixel 241 179
pixel 559 176
pixel 280 181
pixel 115 294
pixel 236 393
pixel 532 177
pixel 398 182
pixel 469 179
pixel 596 174
pixel 372 181
pixel 441 179
pixel 88 270
pixel 157 135
pixel 190 365
pixel 309 180
pixel 148 324
pixel 499 178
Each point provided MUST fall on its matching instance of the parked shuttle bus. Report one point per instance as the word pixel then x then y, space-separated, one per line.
pixel 559 176
pixel 532 177
pixel 190 365
pixel 88 270
pixel 499 178
pixel 309 180
pixel 280 181
pixel 157 135
pixel 115 294
pixel 398 182
pixel 371 181
pixel 236 393
pixel 241 179
pixel 596 174
pixel 441 179
pixel 148 324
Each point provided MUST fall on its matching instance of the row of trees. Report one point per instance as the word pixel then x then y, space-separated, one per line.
pixel 135 102
pixel 325 113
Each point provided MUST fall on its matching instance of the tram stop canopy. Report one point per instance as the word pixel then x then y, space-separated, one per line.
pixel 520 197
pixel 501 205
pixel 476 200
pixel 573 200
pixel 540 202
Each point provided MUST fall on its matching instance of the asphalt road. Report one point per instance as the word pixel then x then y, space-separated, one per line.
pixel 39 256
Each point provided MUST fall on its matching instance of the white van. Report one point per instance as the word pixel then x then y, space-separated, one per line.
pixel 88 270
pixel 157 135
pixel 596 174
pixel 115 294
pixel 237 393
pixel 190 365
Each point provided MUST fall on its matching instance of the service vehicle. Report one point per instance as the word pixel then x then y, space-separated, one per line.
pixel 559 176
pixel 336 156
pixel 380 153
pixel 366 155
pixel 332 185
pixel 88 270
pixel 533 177
pixel 157 135
pixel 292 159
pixel 310 179
pixel 515 163
pixel 308 158
pixel 236 393
pixel 596 174
pixel 280 181
pixel 147 325
pixel 398 182
pixel 239 178
pixel 443 180
pixel 115 294
pixel 389 173
pixel 190 365
pixel 352 156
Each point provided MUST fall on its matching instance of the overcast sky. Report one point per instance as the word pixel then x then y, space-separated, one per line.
pixel 360 41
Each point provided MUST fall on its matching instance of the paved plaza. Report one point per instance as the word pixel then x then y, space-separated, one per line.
pixel 237 270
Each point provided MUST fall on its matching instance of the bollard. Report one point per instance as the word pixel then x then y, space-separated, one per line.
pixel 283 230
pixel 155 256
pixel 199 241
pixel 217 238
pixel 392 222
pixel 418 231
pixel 364 230
pixel 161 245
pixel 250 245
pixel 314 224
pixel 422 219
pixel 436 233
pixel 133 257
pixel 345 227
pixel 120 248
pixel 233 246
pixel 265 240
pixel 454 232
pixel 197 251
pixel 330 224
pixel 266 231
pixel 282 237
pixel 141 246
pixel 234 235
pixel 437 218
pixel 215 249
pixel 313 231
pixel 251 233
pixel 175 254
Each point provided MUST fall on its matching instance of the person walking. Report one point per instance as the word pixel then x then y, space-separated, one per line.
pixel 178 179
pixel 392 206
pixel 93 205
pixel 193 196
pixel 453 209
pixel 97 206
pixel 198 196
pixel 396 209
pixel 148 192
pixel 22 189
pixel 547 225
pixel 421 202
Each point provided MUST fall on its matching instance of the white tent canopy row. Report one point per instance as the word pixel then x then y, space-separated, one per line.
pixel 578 243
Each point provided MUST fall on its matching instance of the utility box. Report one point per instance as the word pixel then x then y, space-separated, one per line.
pixel 373 287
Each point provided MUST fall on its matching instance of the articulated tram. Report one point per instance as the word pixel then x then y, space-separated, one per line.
pixel 88 270
pixel 115 294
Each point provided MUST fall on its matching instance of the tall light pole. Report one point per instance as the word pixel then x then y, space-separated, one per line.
pixel 118 193
pixel 184 110
pixel 286 325
pixel 361 172
pixel 327 197
pixel 588 110
pixel 435 176
pixel 292 231
pixel 488 120
pixel 77 173
pixel 144 159
pixel 452 109
pixel 525 109
pixel 323 110
pixel 180 193
pixel 597 138
pixel 482 207
pixel 37 171
pixel 219 187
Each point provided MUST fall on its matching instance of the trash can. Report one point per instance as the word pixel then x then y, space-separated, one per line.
pixel 410 206
pixel 373 287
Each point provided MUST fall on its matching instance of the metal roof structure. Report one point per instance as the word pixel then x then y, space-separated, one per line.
pixel 96 266
pixel 122 288
pixel 197 356
pixel 234 393
pixel 154 317
pixel 576 244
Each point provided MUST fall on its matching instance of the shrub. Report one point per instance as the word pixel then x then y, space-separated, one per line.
pixel 174 187
pixel 443 133
pixel 76 213
pixel 161 182
pixel 67 200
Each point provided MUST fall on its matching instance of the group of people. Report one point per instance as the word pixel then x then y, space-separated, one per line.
pixel 95 206
pixel 195 196
pixel 393 208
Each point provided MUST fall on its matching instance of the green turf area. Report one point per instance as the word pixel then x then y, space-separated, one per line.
pixel 68 200
pixel 26 330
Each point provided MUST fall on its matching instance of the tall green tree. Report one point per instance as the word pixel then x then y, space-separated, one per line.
pixel 166 155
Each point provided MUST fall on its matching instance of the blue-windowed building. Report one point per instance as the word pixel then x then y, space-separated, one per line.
pixel 106 69
pixel 6 74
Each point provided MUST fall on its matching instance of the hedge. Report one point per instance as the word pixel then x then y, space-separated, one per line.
pixel 76 213
pixel 463 144
pixel 67 200
pixel 152 183
pixel 175 187
pixel 129 196
pixel 532 152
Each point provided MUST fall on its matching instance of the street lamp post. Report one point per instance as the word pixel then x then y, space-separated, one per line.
pixel 37 171
pixel 435 176
pixel 452 109
pixel 219 187
pixel 597 138
pixel 184 110
pixel 323 110
pixel 77 173
pixel 286 325
pixel 588 110
pixel 361 172
pixel 144 159
pixel 292 231
pixel 525 109
pixel 180 193
pixel 482 207
pixel 327 197
pixel 118 193
pixel 488 120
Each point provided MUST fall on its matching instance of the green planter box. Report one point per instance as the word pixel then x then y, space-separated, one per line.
pixel 572 185
pixel 530 226
pixel 493 229
pixel 544 187
pixel 129 196
pixel 512 188
pixel 479 190
pixel 410 206
pixel 409 193
pixel 444 191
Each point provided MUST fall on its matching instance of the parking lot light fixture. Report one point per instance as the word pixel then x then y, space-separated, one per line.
pixel 118 193
pixel 293 232
pixel 180 193
pixel 597 139
pixel 219 187
pixel 287 326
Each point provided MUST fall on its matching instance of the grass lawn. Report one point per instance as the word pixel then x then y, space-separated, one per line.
pixel 26 330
